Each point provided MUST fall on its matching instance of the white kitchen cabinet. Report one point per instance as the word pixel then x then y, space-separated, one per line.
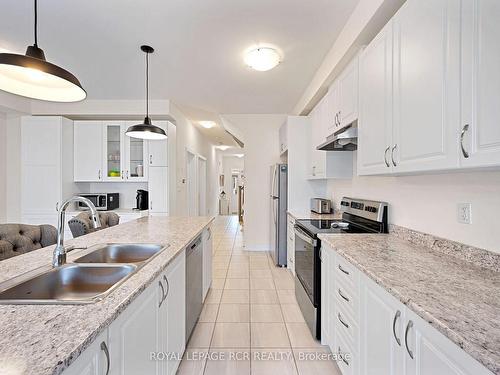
pixel 316 157
pixel 158 190
pixel 172 315
pixel 94 360
pixel 332 113
pixel 327 304
pixel 426 85
pixel 290 244
pixel 113 151
pixel 207 260
pixel 136 156
pixel 46 167
pixel 88 159
pixel 283 142
pixel 135 334
pixel 382 332
pixel 480 83
pixel 375 108
pixel 347 95
pixel 158 149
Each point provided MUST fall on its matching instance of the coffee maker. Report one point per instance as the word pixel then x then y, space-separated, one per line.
pixel 142 200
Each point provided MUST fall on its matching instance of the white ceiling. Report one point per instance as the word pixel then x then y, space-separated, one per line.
pixel 199 46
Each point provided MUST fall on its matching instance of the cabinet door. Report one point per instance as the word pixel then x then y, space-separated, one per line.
pixel 158 190
pixel 375 108
pixel 113 151
pixel 174 305
pixel 426 85
pixel 207 260
pixel 480 83
pixel 333 108
pixel 325 291
pixel 88 160
pixel 348 94
pixel 382 331
pixel 93 361
pixel 317 158
pixel 158 150
pixel 136 156
pixel 134 335
pixel 433 353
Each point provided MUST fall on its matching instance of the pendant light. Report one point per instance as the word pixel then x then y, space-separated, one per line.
pixel 146 130
pixel 32 76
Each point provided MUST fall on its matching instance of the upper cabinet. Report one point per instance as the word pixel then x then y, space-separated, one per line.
pixel 113 151
pixel 348 95
pixel 88 151
pixel 283 134
pixel 158 150
pixel 479 127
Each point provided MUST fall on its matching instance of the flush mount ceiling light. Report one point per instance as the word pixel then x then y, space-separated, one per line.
pixel 32 76
pixel 262 58
pixel 207 124
pixel 146 130
pixel 223 147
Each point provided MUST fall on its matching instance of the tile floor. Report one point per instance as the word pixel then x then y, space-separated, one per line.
pixel 250 323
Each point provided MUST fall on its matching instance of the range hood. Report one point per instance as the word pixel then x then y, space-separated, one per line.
pixel 343 140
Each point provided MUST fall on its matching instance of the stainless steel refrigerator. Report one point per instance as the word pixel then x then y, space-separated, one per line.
pixel 279 181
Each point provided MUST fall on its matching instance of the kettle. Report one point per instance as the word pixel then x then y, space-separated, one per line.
pixel 142 199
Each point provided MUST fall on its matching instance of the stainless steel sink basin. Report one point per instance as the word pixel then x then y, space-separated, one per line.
pixel 121 253
pixel 71 284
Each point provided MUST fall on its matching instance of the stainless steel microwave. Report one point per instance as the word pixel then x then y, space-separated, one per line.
pixel 101 201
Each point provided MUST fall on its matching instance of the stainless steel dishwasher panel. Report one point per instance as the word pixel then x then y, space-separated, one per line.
pixel 194 284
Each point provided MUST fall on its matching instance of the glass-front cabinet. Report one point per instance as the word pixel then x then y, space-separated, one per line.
pixel 125 157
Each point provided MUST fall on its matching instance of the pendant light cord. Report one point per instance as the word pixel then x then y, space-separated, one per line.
pixel 147 84
pixel 36 24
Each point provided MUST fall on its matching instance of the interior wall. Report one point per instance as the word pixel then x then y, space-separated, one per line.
pixel 3 167
pixel 261 139
pixel 13 168
pixel 428 203
pixel 190 138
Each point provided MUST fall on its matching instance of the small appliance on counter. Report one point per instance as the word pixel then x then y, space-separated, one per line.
pixel 321 206
pixel 142 199
pixel 101 201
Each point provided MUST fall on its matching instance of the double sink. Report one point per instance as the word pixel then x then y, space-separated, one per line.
pixel 88 279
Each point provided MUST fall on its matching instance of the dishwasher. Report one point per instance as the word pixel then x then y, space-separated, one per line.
pixel 194 284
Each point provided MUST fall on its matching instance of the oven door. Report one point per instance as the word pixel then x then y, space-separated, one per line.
pixel 307 263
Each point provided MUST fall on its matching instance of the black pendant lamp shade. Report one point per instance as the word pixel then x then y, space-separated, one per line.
pixel 30 75
pixel 146 130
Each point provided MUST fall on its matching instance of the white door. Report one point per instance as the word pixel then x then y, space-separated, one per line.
pixel 348 94
pixel 202 186
pixel 134 335
pixel 191 180
pixel 158 190
pixel 480 83
pixel 158 150
pixel 426 85
pixel 175 306
pixel 382 332
pixel 94 360
pixel 88 160
pixel 375 107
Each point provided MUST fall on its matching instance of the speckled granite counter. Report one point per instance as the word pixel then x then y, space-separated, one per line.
pixel 313 215
pixel 459 298
pixel 45 339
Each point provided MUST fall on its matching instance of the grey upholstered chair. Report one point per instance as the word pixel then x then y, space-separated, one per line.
pixel 81 224
pixel 16 239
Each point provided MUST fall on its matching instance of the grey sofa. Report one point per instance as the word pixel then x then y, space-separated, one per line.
pixel 16 239
pixel 81 224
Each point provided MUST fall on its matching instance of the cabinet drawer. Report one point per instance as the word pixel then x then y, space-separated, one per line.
pixel 347 298
pixel 346 327
pixel 349 361
pixel 346 273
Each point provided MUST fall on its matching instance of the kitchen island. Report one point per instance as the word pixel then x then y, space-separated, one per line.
pixel 47 339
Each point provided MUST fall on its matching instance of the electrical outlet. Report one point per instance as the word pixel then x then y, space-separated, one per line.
pixel 464 211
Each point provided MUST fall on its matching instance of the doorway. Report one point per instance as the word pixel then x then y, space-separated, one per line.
pixel 202 186
pixel 192 195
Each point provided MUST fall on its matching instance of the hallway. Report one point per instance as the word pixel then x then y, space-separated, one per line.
pixel 251 323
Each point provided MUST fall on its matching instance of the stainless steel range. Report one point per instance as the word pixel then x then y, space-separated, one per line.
pixel 358 216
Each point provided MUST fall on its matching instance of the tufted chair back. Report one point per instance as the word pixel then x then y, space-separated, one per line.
pixel 16 239
pixel 82 224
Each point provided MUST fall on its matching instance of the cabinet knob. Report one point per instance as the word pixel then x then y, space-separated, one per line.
pixel 150 159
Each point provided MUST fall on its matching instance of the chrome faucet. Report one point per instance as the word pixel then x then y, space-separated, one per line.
pixel 59 257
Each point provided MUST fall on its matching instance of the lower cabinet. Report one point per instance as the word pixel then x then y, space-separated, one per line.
pixel 148 337
pixel 380 334
pixel 207 260
pixel 290 245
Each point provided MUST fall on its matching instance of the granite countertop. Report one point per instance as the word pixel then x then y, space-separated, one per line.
pixel 459 298
pixel 312 215
pixel 46 339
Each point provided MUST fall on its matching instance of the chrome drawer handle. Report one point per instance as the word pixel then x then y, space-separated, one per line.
pixel 162 293
pixel 168 286
pixel 343 296
pixel 342 321
pixel 392 154
pixel 462 134
pixel 396 317
pixel 342 357
pixel 408 327
pixel 343 270
pixel 104 348
pixel 385 156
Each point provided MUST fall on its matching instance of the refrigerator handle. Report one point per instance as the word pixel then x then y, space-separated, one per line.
pixel 273 184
